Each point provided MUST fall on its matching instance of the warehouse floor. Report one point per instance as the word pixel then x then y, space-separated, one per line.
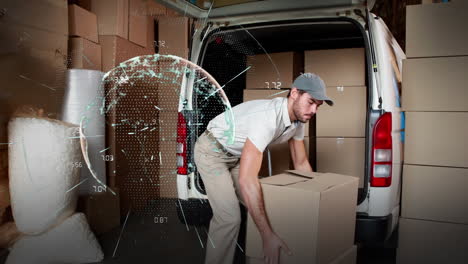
pixel 144 241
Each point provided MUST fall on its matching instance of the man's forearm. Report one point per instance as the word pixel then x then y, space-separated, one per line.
pixel 253 197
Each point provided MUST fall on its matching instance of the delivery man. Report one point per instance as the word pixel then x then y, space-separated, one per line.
pixel 230 169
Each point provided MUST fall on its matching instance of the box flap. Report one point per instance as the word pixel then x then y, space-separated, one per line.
pixel 282 179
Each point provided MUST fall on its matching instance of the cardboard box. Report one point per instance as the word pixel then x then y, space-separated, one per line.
pixel 436 138
pixel 348 257
pixel 116 50
pixel 273 70
pixel 102 210
pixel 347 117
pixel 337 67
pixel 155 9
pixel 82 23
pixel 84 54
pixel 113 17
pixel 33 63
pixel 424 78
pixel 51 16
pixel 138 22
pixel 4 193
pixel 436 30
pixel 173 36
pixel 316 220
pixel 430 242
pixel 342 155
pixel 435 193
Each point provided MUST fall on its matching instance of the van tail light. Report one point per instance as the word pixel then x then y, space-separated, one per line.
pixel 181 145
pixel 381 169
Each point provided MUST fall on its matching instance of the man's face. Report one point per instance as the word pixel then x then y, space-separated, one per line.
pixel 305 106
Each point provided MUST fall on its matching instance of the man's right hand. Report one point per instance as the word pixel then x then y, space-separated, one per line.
pixel 272 245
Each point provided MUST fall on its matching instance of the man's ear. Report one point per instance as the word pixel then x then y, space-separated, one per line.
pixel 294 93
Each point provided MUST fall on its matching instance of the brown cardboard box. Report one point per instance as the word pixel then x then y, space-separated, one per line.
pixel 155 9
pixel 435 84
pixel 435 193
pixel 4 193
pixel 348 257
pixel 437 138
pixel 116 50
pixel 40 14
pixel 257 94
pixel 112 17
pixel 316 220
pixel 347 117
pixel 436 30
pixel 34 56
pixel 342 155
pixel 337 67
pixel 138 22
pixel 82 23
pixel 102 210
pixel 84 54
pixel 173 36
pixel 273 70
pixel 430 242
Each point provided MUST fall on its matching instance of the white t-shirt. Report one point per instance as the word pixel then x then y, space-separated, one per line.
pixel 264 122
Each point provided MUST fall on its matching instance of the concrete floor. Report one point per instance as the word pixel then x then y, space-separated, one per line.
pixel 144 241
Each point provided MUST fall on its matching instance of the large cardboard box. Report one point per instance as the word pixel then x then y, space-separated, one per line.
pixel 116 50
pixel 436 30
pixel 273 70
pixel 173 36
pixel 40 14
pixel 82 23
pixel 435 193
pixel 112 17
pixel 102 210
pixel 435 84
pixel 430 242
pixel 437 138
pixel 313 213
pixel 138 22
pixel 342 155
pixel 347 117
pixel 337 67
pixel 84 54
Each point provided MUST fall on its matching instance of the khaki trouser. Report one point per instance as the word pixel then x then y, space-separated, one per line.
pixel 220 173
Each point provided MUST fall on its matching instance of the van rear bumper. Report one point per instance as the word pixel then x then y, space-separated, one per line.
pixel 371 230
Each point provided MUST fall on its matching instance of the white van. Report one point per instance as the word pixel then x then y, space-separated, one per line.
pixel 231 33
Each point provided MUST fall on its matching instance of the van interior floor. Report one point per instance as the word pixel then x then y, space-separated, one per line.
pixel 142 241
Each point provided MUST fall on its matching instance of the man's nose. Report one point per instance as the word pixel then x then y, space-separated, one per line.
pixel 314 109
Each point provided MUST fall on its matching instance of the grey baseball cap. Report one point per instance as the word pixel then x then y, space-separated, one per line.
pixel 313 85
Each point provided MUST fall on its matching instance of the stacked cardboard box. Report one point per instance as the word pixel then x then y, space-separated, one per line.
pixel 316 221
pixel 269 73
pixel 434 223
pixel 340 130
pixel 83 48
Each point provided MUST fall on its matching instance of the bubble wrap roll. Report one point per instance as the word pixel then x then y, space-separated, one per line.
pixel 43 168
pixel 70 242
pixel 83 99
